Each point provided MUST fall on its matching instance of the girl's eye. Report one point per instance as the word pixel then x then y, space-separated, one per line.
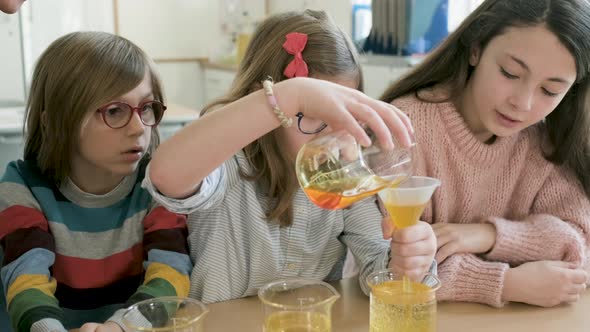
pixel 549 93
pixel 147 109
pixel 507 74
pixel 115 111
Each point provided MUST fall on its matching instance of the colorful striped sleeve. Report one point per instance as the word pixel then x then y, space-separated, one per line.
pixel 29 251
pixel 168 264
pixel 165 244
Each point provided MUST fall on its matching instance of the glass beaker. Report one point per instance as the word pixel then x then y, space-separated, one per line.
pixel 165 314
pixel 394 309
pixel 335 171
pixel 297 305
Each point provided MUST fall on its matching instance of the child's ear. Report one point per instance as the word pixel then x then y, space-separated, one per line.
pixel 474 55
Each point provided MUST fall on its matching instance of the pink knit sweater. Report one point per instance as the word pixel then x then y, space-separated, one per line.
pixel 540 211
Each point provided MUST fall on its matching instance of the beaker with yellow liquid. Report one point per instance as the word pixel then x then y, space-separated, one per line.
pixel 297 305
pixel 165 314
pixel 392 309
pixel 335 171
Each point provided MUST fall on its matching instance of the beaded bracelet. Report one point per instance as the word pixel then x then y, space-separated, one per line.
pixel 267 85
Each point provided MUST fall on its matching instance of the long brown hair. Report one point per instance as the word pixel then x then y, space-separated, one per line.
pixel 328 53
pixel 75 75
pixel 568 126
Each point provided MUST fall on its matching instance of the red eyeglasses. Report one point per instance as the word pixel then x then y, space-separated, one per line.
pixel 118 114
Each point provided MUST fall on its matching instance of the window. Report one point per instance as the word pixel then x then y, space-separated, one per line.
pixel 406 27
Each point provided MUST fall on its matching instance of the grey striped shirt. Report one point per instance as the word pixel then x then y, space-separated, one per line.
pixel 235 250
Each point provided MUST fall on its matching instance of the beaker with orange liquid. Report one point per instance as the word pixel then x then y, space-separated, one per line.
pixel 392 309
pixel 335 171
pixel 297 305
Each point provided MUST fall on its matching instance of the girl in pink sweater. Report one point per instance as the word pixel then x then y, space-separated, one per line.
pixel 502 117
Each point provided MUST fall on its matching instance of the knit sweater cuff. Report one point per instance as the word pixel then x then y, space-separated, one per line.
pixel 543 237
pixel 465 277
pixel 513 241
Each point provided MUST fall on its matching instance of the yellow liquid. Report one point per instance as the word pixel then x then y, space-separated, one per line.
pixel 297 321
pixel 404 216
pixel 393 310
pixel 339 193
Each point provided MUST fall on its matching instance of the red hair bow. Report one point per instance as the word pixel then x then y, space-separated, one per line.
pixel 294 45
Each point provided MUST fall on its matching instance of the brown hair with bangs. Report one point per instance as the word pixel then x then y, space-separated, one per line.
pixel 328 53
pixel 77 74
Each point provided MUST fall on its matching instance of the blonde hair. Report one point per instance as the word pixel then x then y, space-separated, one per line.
pixel 328 53
pixel 77 74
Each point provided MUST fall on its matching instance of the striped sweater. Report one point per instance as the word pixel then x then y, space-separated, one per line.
pixel 73 257
pixel 236 251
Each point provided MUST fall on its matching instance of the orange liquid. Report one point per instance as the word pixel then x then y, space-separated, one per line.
pixel 335 200
pixel 334 194
pixel 404 216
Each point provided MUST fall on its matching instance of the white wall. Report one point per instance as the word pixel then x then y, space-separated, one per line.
pixel 340 10
pixel 171 28
pixel 178 28
pixel 42 22
pixel 176 33
pixel 182 83
pixel 12 85
pixel 45 21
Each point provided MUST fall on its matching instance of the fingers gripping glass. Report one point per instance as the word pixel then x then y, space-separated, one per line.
pixel 309 126
pixel 118 114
